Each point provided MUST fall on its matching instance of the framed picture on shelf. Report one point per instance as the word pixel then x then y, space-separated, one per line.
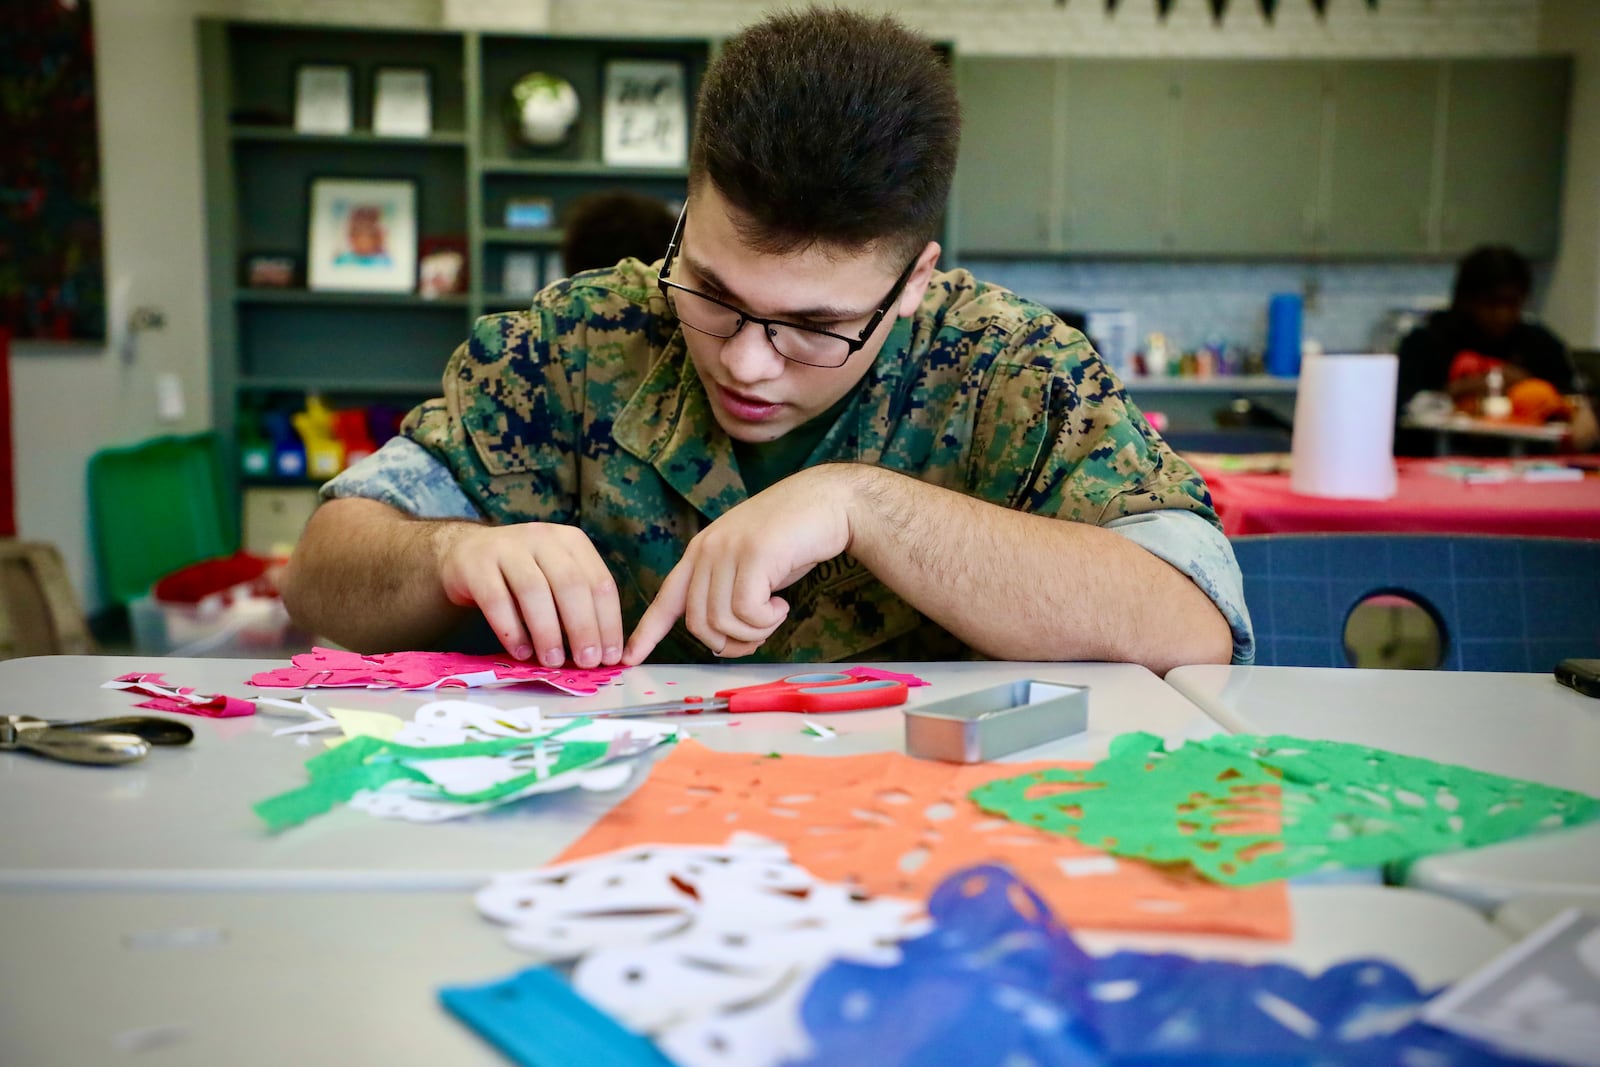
pixel 443 266
pixel 322 98
pixel 530 213
pixel 402 102
pixel 363 235
pixel 645 118
pixel 271 270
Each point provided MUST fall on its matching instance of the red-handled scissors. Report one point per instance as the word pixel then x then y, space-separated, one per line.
pixel 807 693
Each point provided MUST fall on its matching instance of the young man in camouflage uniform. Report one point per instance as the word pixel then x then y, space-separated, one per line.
pixel 794 437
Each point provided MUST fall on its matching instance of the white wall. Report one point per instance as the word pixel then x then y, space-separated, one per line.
pixel 1573 306
pixel 70 404
pixel 1082 27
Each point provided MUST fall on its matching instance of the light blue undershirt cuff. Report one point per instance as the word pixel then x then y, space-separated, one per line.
pixel 1198 549
pixel 407 477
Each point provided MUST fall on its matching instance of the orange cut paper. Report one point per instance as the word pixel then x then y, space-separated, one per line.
pixel 897 825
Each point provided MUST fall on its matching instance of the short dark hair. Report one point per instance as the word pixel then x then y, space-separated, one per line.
pixel 1488 269
pixel 829 126
pixel 602 229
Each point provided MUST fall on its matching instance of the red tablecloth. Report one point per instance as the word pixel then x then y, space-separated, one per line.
pixel 1423 503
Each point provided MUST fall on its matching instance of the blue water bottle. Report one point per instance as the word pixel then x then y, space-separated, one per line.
pixel 1283 335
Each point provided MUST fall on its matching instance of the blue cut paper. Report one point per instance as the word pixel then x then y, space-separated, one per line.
pixel 536 1019
pixel 999 981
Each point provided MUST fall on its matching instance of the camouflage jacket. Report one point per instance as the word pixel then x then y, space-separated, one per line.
pixel 585 409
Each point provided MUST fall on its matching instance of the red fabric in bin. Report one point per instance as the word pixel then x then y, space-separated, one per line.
pixel 197 581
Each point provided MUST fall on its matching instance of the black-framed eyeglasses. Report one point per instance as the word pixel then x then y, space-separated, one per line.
pixel 801 344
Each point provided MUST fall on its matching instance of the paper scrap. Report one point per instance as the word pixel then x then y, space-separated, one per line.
pixel 708 949
pixel 1012 986
pixel 333 668
pixel 1539 998
pixel 897 826
pixel 179 700
pixel 358 723
pixel 536 1019
pixel 879 674
pixel 819 731
pixel 452 768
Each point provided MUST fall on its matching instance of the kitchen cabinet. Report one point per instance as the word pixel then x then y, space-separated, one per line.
pixel 1379 195
pixel 1115 140
pixel 1263 158
pixel 1505 127
pixel 1005 187
pixel 1248 152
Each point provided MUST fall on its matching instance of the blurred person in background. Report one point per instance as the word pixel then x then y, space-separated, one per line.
pixel 1480 349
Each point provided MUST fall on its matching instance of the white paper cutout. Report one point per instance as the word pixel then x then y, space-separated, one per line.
pixel 289 707
pixel 453 722
pixel 707 950
pixel 456 722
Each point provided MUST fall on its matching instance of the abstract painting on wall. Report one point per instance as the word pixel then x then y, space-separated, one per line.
pixel 52 267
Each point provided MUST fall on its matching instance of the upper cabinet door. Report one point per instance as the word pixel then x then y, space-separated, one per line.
pixel 1505 128
pixel 1118 124
pixel 1380 161
pixel 1248 157
pixel 1006 179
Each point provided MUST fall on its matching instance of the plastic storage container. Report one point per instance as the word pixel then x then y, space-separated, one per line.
pixel 232 624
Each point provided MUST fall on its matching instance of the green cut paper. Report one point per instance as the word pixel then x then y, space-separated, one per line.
pixel 370 763
pixel 574 756
pixel 1210 804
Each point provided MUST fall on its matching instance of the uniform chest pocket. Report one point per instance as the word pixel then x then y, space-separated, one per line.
pixel 1012 434
pixel 839 611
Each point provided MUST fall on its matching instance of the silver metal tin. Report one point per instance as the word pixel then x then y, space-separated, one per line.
pixel 997 721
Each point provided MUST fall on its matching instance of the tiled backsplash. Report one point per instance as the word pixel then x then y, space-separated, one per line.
pixel 1201 302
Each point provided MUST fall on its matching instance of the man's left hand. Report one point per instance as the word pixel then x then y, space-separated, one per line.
pixel 725 586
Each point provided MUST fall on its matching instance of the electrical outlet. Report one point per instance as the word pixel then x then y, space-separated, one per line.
pixel 169 398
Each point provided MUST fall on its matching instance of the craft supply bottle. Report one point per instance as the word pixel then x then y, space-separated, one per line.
pixel 1496 405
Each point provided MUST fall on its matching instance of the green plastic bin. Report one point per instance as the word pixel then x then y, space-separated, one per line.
pixel 155 507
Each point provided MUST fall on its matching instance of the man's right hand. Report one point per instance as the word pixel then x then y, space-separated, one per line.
pixel 535 583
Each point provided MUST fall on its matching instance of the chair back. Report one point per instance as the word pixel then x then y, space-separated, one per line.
pixel 155 507
pixel 1501 603
pixel 39 612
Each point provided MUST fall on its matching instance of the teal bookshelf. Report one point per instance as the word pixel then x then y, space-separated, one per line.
pixel 271 346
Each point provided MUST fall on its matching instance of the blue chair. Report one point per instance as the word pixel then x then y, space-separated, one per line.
pixel 1500 603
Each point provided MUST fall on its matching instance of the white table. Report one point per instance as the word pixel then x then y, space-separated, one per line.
pixel 312 953
pixel 181 819
pixel 86 979
pixel 1520 725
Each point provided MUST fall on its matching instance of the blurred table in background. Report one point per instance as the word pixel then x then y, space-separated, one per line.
pixel 1262 502
pixel 1515 436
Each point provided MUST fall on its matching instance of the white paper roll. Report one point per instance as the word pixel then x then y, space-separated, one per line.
pixel 1344 427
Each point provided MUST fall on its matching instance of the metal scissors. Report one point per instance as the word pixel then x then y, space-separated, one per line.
pixel 101 741
pixel 806 693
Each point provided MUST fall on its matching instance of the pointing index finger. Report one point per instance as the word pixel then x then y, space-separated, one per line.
pixel 656 622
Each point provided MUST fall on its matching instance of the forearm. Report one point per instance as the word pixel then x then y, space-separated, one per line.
pixel 1019 586
pixel 367 576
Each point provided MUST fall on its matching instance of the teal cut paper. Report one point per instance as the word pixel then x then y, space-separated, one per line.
pixel 1245 809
